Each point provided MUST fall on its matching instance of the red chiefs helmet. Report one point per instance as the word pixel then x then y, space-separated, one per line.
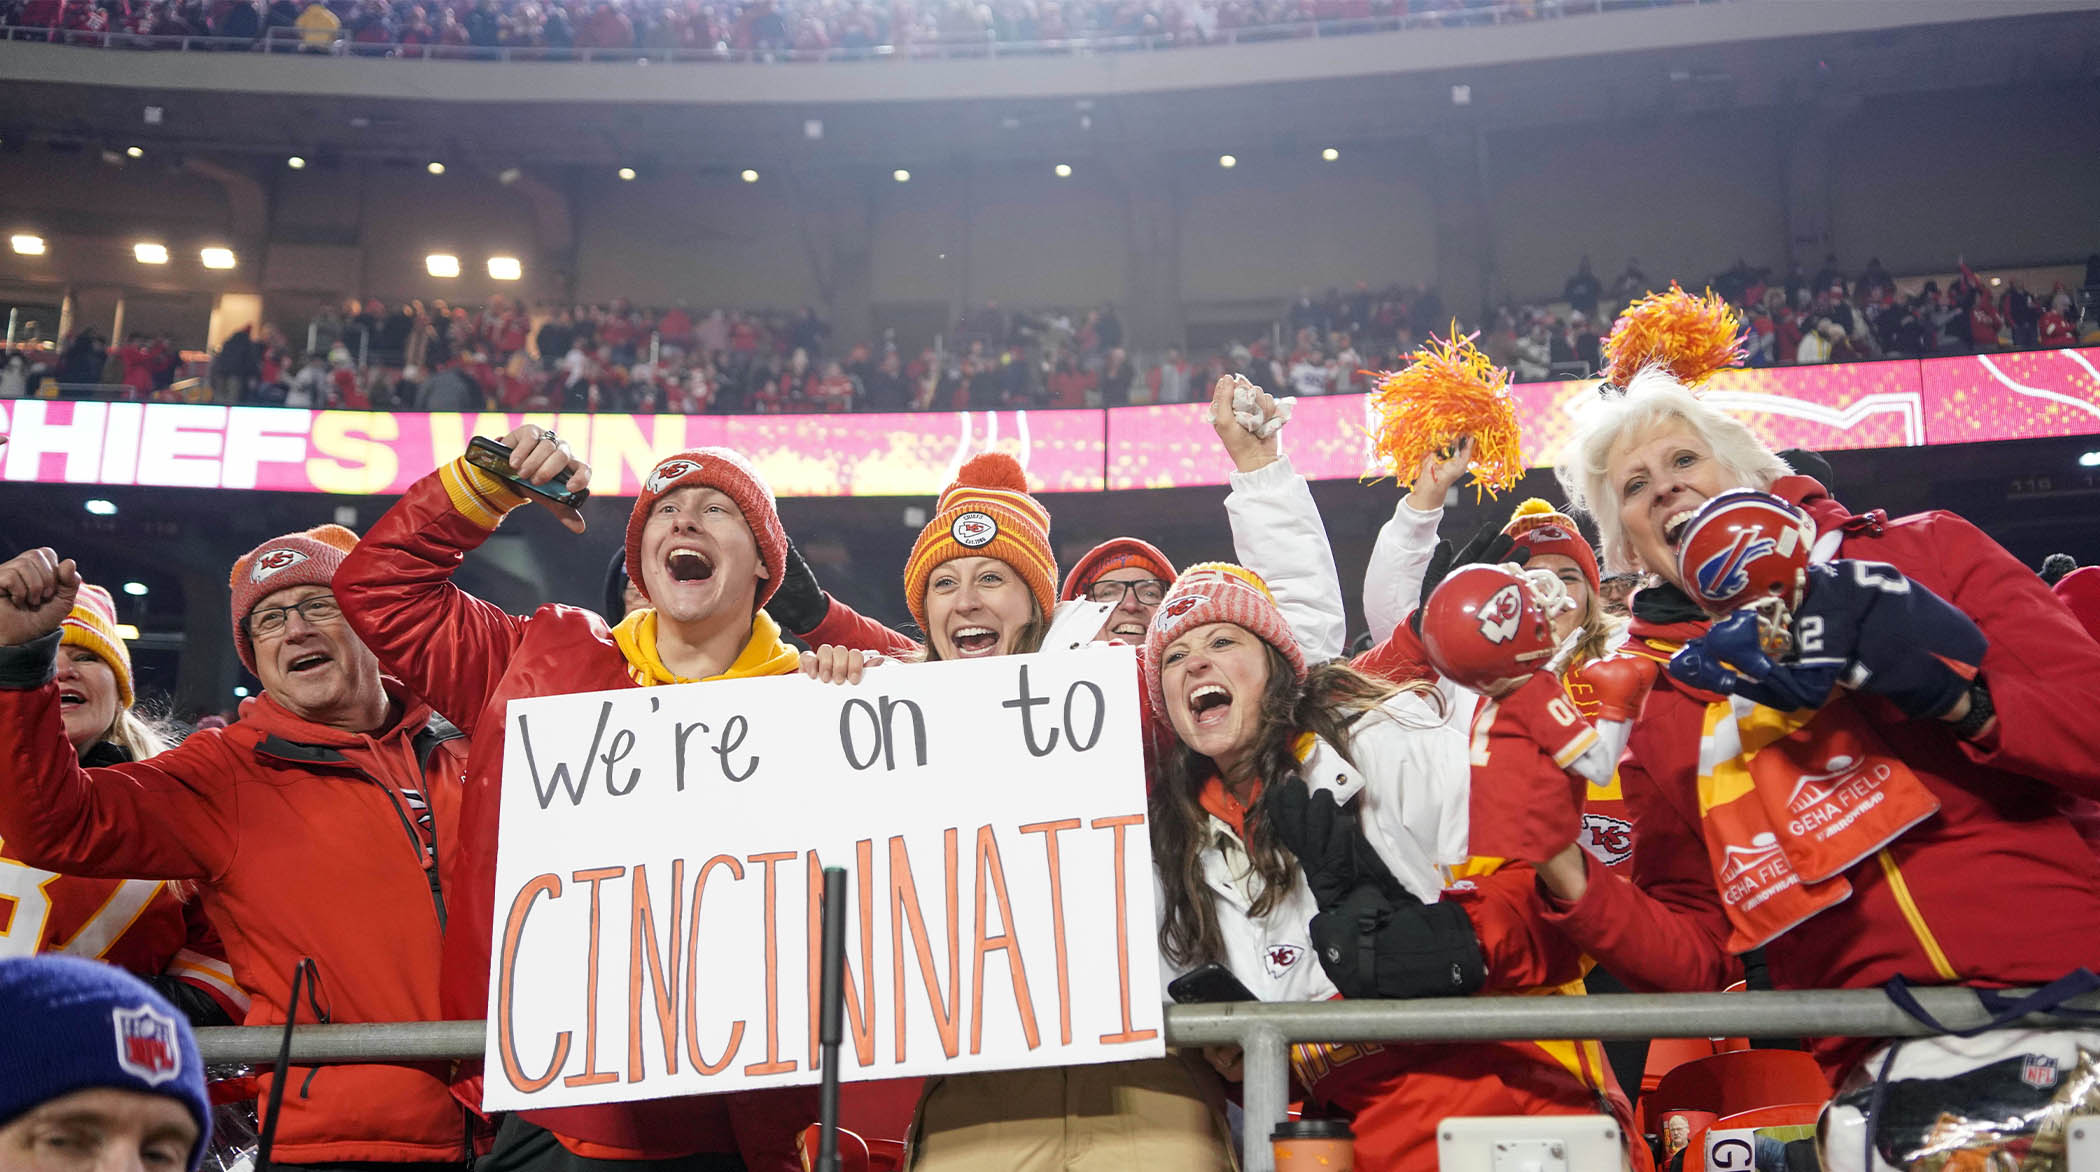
pixel 1745 546
pixel 1482 627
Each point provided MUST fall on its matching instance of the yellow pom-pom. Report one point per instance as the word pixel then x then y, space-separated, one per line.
pixel 1530 508
pixel 1448 391
pixel 1691 337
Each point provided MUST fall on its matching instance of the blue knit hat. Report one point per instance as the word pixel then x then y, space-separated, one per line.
pixel 68 1025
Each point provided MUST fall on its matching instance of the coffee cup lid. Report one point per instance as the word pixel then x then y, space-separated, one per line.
pixel 1312 1129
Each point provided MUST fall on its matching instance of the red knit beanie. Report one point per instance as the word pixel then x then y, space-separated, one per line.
pixel 1216 592
pixel 1117 553
pixel 1545 529
pixel 731 475
pixel 986 513
pixel 296 559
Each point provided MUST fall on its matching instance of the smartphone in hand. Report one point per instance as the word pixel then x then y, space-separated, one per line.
pixel 1210 984
pixel 494 459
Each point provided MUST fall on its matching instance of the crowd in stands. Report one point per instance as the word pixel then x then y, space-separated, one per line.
pixel 1388 825
pixel 556 28
pixel 618 357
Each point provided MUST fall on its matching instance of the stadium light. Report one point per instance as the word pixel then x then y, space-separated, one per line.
pixel 1227 162
pixel 136 589
pixel 901 175
pixel 1330 154
pixel 625 173
pixel 216 258
pixel 149 253
pixel 134 152
pixel 505 268
pixel 2089 460
pixel 441 264
pixel 27 244
pixel 296 163
pixel 242 692
pixel 435 167
pixel 127 632
pixel 749 176
pixel 1063 170
pixel 100 507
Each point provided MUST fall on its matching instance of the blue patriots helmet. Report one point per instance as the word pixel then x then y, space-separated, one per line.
pixel 1743 548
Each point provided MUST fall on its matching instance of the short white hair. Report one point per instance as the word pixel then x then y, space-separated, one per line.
pixel 1653 399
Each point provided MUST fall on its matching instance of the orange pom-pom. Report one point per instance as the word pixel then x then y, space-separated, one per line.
pixel 1691 337
pixel 1449 390
pixel 993 470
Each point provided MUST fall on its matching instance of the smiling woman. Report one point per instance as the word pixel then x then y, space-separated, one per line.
pixel 1308 801
pixel 981 579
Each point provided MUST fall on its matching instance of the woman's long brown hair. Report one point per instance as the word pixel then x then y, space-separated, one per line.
pixel 1333 697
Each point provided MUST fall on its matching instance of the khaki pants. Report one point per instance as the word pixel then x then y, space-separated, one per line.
pixel 1161 1113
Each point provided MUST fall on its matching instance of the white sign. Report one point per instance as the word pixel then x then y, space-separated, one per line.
pixel 658 879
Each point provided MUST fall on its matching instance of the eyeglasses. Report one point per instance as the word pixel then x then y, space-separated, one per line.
pixel 1148 590
pixel 269 621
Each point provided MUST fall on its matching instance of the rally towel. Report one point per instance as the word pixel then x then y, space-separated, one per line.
pixel 1789 802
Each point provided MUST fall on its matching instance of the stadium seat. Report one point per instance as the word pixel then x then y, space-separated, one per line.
pixel 885 1155
pixel 853 1150
pixel 881 1109
pixel 1739 1081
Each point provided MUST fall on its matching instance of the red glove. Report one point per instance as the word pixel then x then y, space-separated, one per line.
pixel 1526 800
pixel 1621 684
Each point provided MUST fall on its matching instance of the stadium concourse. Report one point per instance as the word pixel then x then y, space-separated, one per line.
pixel 490 510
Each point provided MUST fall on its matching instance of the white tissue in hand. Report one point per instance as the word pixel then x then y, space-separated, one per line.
pixel 1247 411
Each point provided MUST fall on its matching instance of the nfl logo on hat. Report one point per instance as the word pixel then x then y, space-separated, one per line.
pixel 147 1045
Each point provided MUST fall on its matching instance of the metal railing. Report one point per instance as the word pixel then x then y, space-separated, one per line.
pixel 1264 1031
pixel 344 42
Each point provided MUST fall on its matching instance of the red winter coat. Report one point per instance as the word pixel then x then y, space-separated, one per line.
pixel 1933 906
pixel 470 659
pixel 303 841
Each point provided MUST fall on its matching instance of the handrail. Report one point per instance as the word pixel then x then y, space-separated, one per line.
pixel 343 43
pixel 1264 1030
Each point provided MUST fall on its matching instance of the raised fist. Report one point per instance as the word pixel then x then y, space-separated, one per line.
pixel 36 594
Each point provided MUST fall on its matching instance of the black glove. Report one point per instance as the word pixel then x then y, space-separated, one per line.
pixel 1329 844
pixel 1489 545
pixel 798 603
pixel 1373 946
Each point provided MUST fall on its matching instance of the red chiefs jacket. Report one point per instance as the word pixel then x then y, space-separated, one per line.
pixel 1933 906
pixel 470 659
pixel 307 843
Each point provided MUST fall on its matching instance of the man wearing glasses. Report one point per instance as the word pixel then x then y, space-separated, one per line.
pixel 310 826
pixel 1129 575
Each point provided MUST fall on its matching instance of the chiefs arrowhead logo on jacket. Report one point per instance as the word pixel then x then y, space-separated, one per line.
pixel 1280 957
pixel 667 472
pixel 271 561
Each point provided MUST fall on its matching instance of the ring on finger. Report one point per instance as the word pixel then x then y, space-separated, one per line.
pixel 550 437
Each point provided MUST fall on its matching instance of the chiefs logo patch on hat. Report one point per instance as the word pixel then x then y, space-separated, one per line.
pixel 1180 606
pixel 147 1045
pixel 1548 532
pixel 271 561
pixel 668 472
pixel 974 530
